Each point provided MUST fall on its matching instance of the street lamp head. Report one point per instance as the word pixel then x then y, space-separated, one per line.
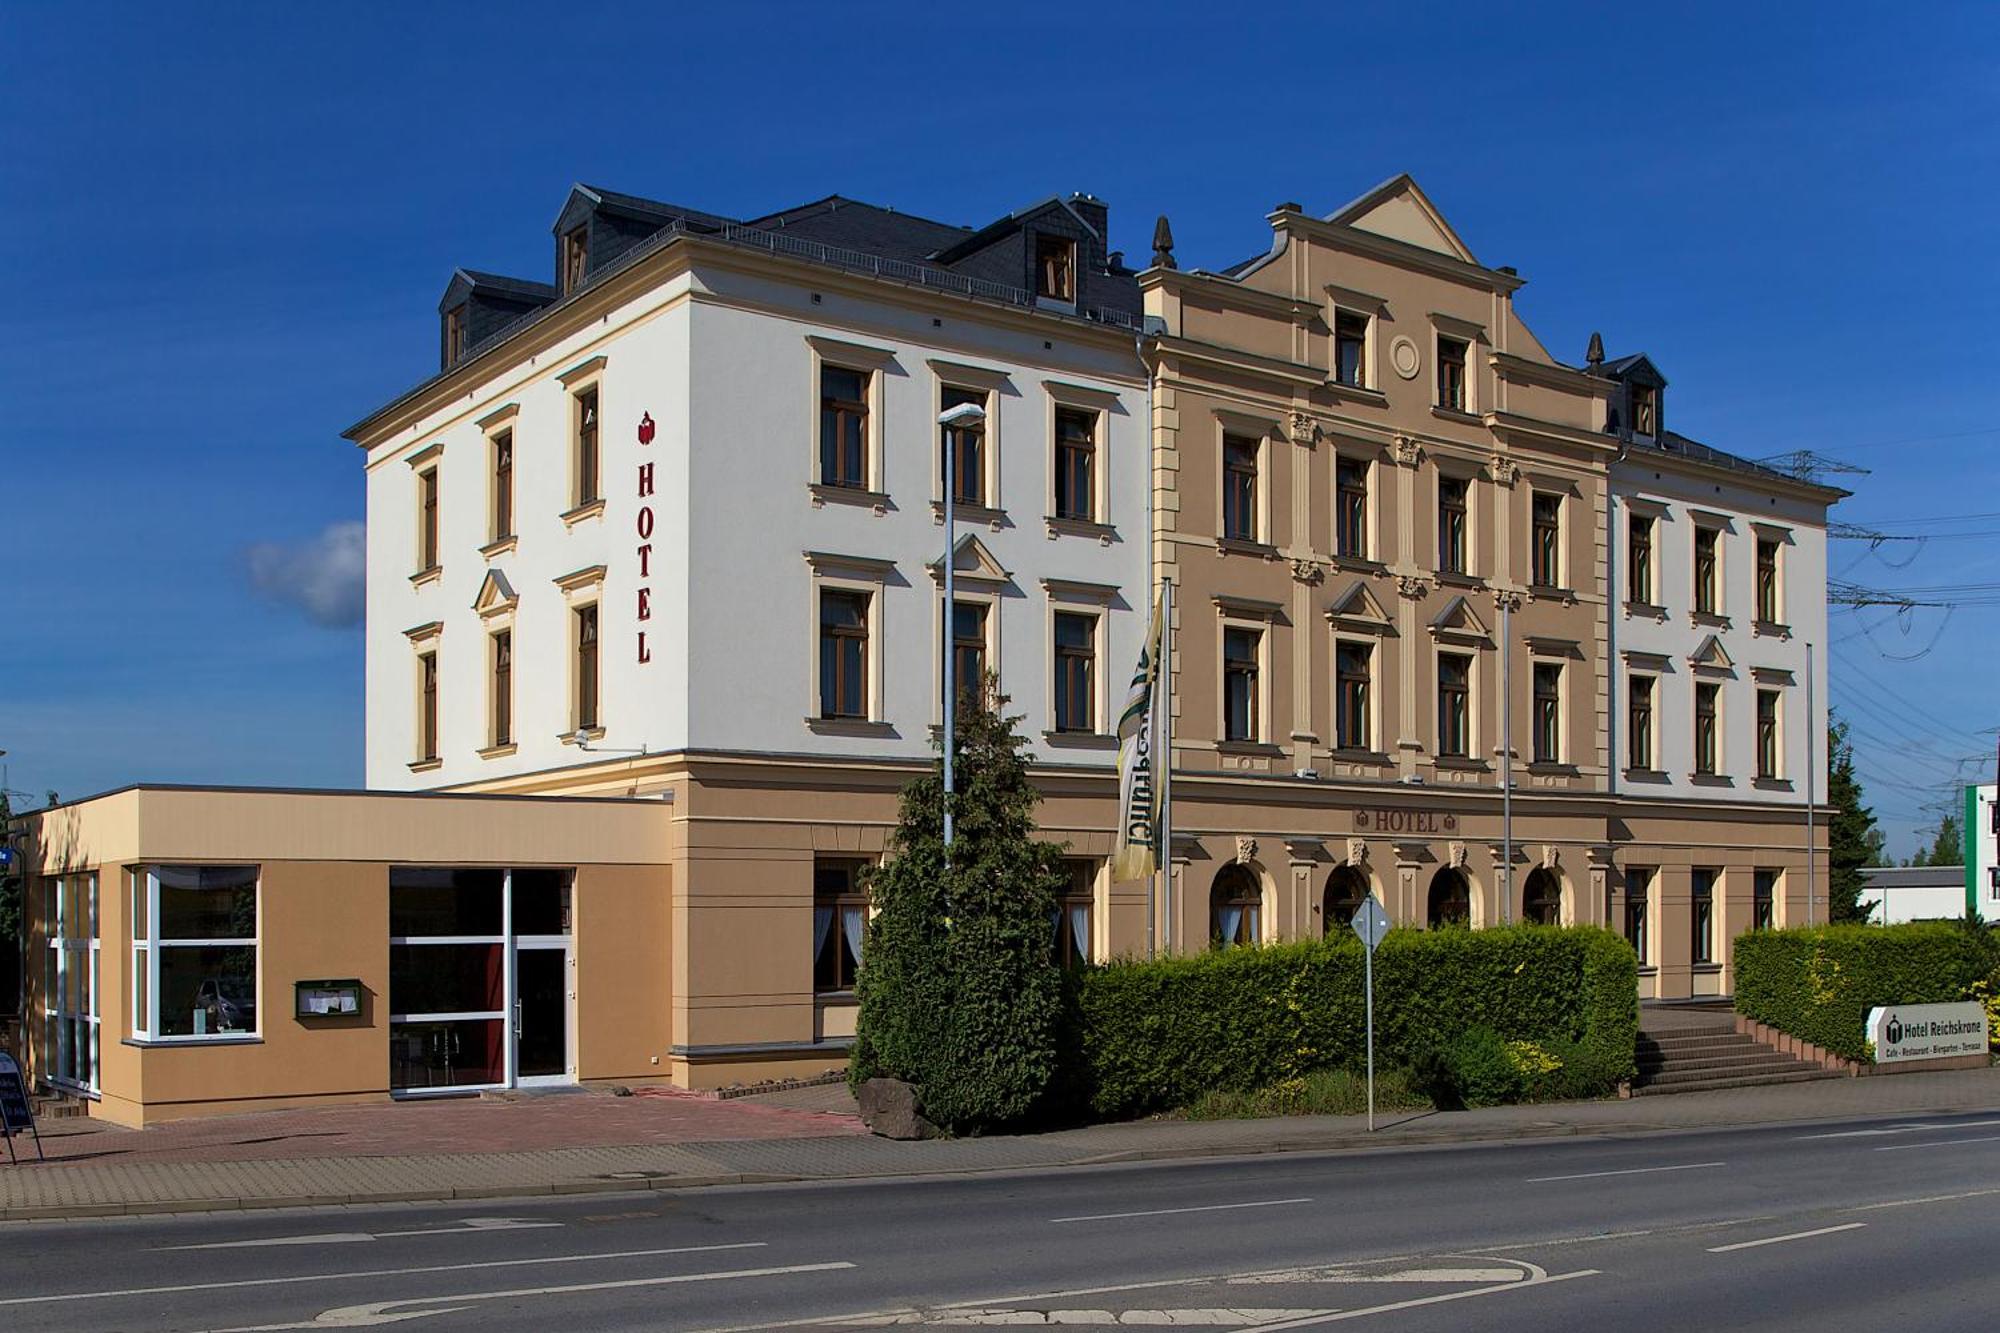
pixel 962 416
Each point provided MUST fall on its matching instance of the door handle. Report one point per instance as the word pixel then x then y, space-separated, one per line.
pixel 517 1018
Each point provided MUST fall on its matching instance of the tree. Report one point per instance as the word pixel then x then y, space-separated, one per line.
pixel 11 923
pixel 1946 849
pixel 1853 840
pixel 959 989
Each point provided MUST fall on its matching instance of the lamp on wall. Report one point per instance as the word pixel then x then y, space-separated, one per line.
pixel 581 739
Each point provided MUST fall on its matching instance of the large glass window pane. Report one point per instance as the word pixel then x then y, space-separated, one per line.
pixel 206 991
pixel 428 900
pixel 445 978
pixel 457 1054
pixel 541 902
pixel 207 902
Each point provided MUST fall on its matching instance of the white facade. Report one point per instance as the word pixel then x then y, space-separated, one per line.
pixel 1892 895
pixel 1982 841
pixel 724 355
pixel 1658 635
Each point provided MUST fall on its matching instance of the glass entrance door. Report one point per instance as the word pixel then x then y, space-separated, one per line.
pixel 541 1014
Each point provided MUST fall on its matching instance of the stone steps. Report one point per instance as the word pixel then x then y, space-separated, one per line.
pixel 1712 1057
pixel 1802 1073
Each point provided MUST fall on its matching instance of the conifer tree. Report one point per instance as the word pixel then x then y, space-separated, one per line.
pixel 1853 840
pixel 959 989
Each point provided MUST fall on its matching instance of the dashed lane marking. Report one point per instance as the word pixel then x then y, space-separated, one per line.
pixel 1779 1240
pixel 1629 1171
pixel 1170 1212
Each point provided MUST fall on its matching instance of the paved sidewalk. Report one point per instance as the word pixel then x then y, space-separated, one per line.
pixel 166 1182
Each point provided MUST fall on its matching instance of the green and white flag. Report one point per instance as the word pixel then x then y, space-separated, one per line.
pixel 1136 856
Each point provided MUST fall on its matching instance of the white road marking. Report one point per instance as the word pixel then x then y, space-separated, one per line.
pixel 1939 1143
pixel 1218 1317
pixel 1911 1203
pixel 472 1226
pixel 382 1312
pixel 1539 1277
pixel 1349 1274
pixel 1779 1240
pixel 1170 1212
pixel 1631 1171
pixel 373 1272
pixel 1898 1129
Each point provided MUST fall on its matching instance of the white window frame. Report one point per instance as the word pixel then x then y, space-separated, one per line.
pixel 63 948
pixel 975 594
pixel 1653 700
pixel 1262 626
pixel 1561 756
pixel 1368 338
pixel 861 359
pixel 870 578
pixel 1080 599
pixel 1058 395
pixel 970 379
pixel 1370 529
pixel 1374 644
pixel 146 955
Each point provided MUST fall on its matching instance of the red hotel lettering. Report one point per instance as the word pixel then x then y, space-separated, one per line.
pixel 645 526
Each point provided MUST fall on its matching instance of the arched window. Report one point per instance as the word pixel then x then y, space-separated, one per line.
pixel 1345 889
pixel 1541 899
pixel 1235 907
pixel 1451 898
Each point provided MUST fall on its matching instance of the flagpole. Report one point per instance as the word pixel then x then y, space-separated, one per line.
pixel 1164 761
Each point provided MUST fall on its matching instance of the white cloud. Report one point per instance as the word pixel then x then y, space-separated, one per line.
pixel 323 576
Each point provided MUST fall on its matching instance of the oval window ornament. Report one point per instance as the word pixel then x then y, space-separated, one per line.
pixel 1403 355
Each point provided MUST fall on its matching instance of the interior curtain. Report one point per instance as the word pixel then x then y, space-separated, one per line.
pixel 852 919
pixel 822 926
pixel 1231 918
pixel 1079 928
pixel 1251 933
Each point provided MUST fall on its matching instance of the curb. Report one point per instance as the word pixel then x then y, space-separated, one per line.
pixel 1445 1138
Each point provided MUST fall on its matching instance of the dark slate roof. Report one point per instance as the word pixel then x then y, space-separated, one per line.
pixel 1915 877
pixel 853 225
pixel 1619 365
pixel 650 208
pixel 1673 442
pixel 502 285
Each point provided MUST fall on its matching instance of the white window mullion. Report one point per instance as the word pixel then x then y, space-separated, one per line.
pixel 510 997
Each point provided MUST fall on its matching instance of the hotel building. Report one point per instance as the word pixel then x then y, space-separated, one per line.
pixel 655 634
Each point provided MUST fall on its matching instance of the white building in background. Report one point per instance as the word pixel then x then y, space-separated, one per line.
pixel 1717 612
pixel 690 498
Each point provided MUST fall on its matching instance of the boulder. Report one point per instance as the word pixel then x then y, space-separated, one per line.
pixel 889 1107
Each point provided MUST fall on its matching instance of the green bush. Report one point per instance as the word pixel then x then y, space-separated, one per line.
pixel 1152 1035
pixel 1322 1092
pixel 1819 982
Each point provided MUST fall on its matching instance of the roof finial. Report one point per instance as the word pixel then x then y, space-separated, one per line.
pixel 1163 244
pixel 1595 356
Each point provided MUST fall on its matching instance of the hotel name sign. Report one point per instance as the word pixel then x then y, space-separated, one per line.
pixel 1380 819
pixel 645 529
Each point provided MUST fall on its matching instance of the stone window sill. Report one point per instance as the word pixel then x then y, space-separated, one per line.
pixel 423 576
pixel 824 494
pixel 1771 784
pixel 1543 767
pixel 1359 564
pixel 1459 764
pixel 1079 740
pixel 1359 393
pixel 1245 546
pixel 1455 578
pixel 1080 527
pixel 499 751
pixel 499 546
pixel 1711 780
pixel 1459 415
pixel 1647 775
pixel 1770 629
pixel 1248 747
pixel 964 512
pixel 589 734
pixel 1647 611
pixel 426 765
pixel 587 510
pixel 849 726
pixel 1709 619
pixel 219 1039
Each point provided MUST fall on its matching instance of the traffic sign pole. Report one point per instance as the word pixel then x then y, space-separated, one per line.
pixel 1371 923
pixel 1368 952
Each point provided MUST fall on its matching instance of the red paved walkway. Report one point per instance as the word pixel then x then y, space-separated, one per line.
pixel 458 1125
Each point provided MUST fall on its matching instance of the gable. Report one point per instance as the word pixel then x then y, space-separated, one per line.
pixel 1458 621
pixel 1358 605
pixel 972 562
pixel 496 594
pixel 1711 657
pixel 1399 210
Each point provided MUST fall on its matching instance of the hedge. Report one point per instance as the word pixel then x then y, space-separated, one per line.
pixel 1819 982
pixel 1147 1036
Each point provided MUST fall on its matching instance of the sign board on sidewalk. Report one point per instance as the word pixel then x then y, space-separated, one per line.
pixel 16 1116
pixel 1371 923
pixel 1927 1031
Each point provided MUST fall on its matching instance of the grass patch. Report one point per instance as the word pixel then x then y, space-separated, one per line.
pixel 1321 1092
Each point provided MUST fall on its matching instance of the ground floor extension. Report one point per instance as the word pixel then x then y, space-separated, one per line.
pixel 699 920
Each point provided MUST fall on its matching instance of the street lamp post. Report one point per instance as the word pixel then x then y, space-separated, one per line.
pixel 966 416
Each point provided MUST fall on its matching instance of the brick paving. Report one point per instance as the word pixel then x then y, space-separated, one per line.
pixel 470 1149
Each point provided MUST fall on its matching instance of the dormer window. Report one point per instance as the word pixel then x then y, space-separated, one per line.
pixel 1055 268
pixel 1645 410
pixel 454 336
pixel 575 258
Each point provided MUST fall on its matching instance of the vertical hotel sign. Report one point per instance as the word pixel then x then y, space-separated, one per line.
pixel 1136 854
pixel 645 530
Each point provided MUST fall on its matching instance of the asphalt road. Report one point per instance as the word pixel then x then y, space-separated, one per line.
pixel 1863 1225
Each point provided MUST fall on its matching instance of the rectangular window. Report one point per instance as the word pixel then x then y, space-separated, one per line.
pixel 1707 704
pixel 840 922
pixel 1707 589
pixel 1055 268
pixel 448 977
pixel 1639 723
pixel 195 965
pixel 589 471
pixel 1702 917
pixel 427 707
pixel 1454 705
pixel 968 647
pixel 1451 374
pixel 1239 488
pixel 503 688
pixel 1645 410
pixel 454 335
pixel 1076 464
pixel 1639 559
pixel 1763 900
pixel 1546 513
pixel 71 991
pixel 1451 524
pixel 1076 671
pixel 1769 609
pixel 843 654
pixel 586 668
pixel 1638 890
pixel 843 427
pixel 1548 712
pixel 502 526
pixel 575 259
pixel 1352 532
pixel 1769 760
pixel 1351 679
pixel 1073 914
pixel 1350 348
pixel 963 448
pixel 1239 684
pixel 427 520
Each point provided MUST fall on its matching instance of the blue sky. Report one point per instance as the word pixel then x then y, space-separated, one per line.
pixel 224 230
